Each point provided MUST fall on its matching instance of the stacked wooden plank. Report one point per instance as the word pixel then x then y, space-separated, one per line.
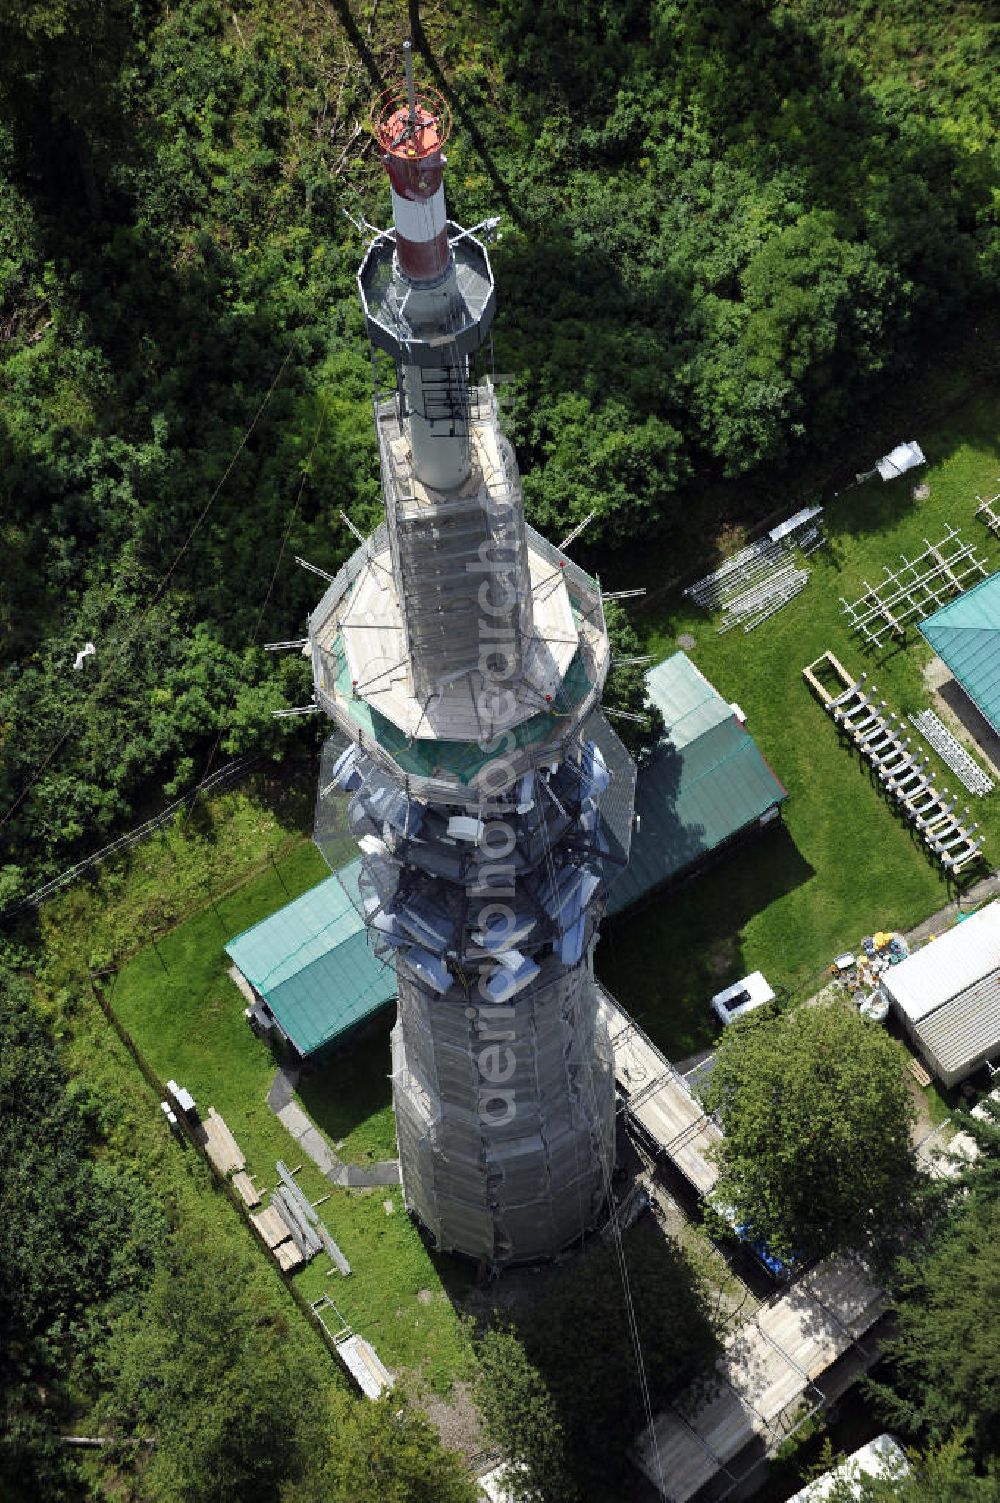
pixel 289 1256
pixel 271 1226
pixel 289 1226
pixel 219 1143
pixel 246 1189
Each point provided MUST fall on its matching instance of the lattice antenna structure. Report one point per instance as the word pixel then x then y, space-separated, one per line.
pixel 757 582
pixel 462 659
pixel 988 512
pixel 915 590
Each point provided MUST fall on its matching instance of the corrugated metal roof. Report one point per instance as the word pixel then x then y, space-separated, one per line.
pixel 965 1030
pixel 687 701
pixel 704 782
pixel 965 634
pixel 312 964
pixel 948 966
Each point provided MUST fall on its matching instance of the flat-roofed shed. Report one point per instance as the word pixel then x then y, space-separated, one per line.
pixel 947 996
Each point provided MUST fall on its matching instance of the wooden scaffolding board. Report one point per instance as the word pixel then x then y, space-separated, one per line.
pixel 288 1256
pixel 219 1143
pixel 246 1188
pixel 769 1365
pixel 270 1225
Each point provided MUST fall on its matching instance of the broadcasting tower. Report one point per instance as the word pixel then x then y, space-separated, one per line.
pixel 463 658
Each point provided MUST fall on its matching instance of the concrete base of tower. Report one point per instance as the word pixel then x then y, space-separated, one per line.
pixel 510 1170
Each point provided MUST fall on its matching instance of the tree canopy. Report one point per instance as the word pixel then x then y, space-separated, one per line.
pixel 942 1475
pixel 816 1115
pixel 945 1359
pixel 756 226
pixel 77 1245
pixel 572 1357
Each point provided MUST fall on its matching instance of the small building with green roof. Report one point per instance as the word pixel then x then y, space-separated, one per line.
pixel 965 634
pixel 703 787
pixel 310 965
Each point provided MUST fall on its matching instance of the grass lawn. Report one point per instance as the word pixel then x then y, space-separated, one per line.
pixel 845 864
pixel 348 1095
pixel 186 1015
pixel 240 856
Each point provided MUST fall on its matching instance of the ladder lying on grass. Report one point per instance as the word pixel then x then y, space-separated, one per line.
pixel 968 772
pixel 859 715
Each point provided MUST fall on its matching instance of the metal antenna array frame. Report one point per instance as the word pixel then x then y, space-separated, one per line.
pixel 915 590
pixel 986 514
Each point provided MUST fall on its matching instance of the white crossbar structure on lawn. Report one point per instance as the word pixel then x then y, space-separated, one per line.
pixel 915 590
pixel 965 768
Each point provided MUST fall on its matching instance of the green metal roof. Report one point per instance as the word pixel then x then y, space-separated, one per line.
pixel 686 700
pixel 312 964
pixel 704 782
pixel 965 634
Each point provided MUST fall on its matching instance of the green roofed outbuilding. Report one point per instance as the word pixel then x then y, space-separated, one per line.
pixel 704 786
pixel 965 634
pixel 311 967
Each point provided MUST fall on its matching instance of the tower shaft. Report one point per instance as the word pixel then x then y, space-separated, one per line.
pixel 463 658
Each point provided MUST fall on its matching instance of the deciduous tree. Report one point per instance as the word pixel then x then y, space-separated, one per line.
pixel 816 1116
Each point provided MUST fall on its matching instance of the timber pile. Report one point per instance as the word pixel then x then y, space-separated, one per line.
pixel 219 1143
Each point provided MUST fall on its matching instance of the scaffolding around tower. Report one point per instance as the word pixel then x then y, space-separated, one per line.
pixel 462 658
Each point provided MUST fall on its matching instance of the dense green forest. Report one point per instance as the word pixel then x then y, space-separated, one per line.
pixel 726 228
pixel 138 1313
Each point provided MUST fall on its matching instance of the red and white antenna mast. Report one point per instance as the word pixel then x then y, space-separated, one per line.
pixel 412 131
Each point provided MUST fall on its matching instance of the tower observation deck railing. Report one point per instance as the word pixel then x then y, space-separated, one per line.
pixel 342 581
